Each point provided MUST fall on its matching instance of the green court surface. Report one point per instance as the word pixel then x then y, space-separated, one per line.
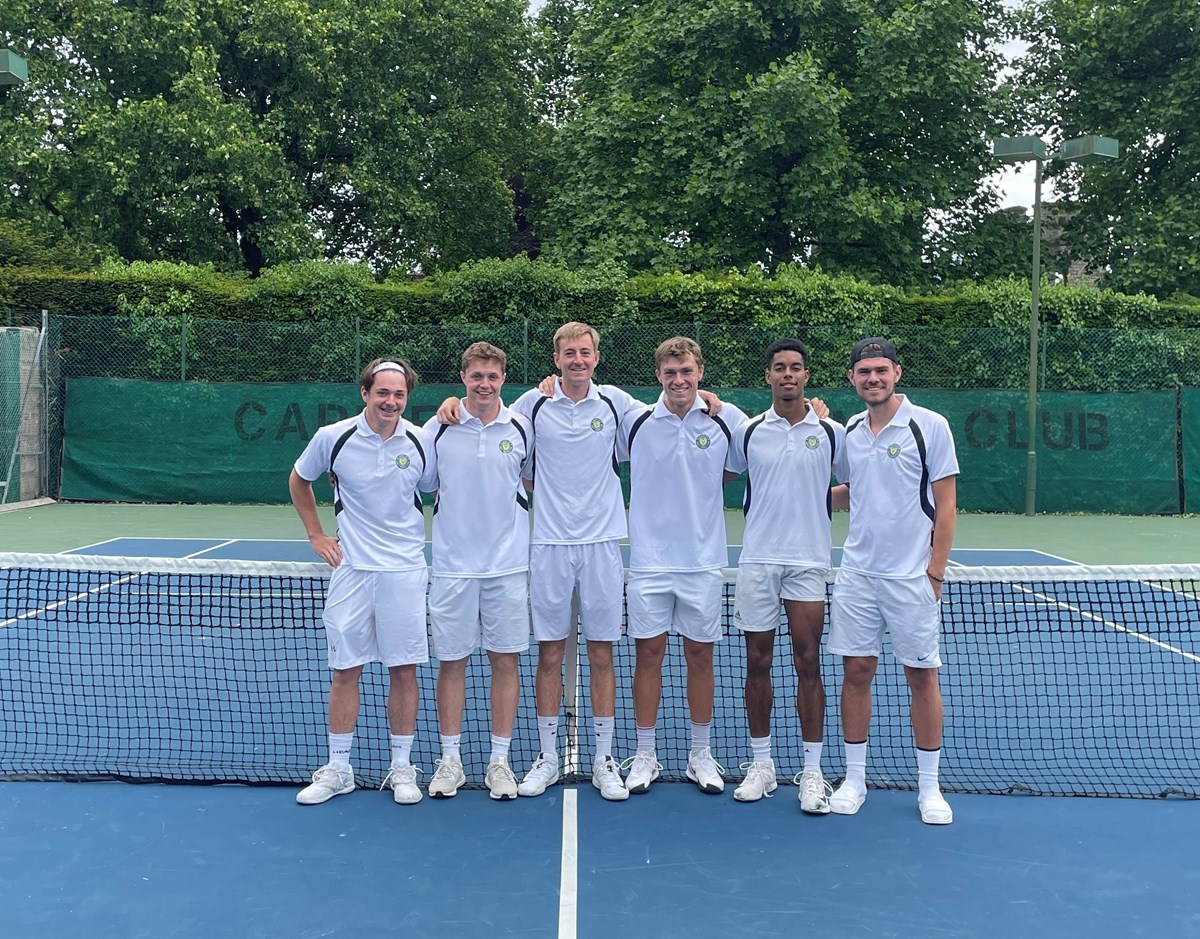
pixel 1087 539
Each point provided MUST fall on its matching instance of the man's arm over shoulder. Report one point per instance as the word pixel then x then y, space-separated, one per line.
pixel 524 405
pixel 426 437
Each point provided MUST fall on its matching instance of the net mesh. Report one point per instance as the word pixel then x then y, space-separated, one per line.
pixel 1064 680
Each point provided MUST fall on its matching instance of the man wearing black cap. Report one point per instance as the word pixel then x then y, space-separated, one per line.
pixel 902 473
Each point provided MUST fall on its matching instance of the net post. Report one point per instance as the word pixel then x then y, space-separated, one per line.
pixel 571 693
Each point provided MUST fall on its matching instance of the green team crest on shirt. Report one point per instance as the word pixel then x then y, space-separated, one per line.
pixel 703 441
pixel 403 461
pixel 506 446
pixel 597 424
pixel 894 450
pixel 811 442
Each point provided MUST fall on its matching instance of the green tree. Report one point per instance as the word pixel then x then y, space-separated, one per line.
pixel 1125 70
pixel 247 132
pixel 746 132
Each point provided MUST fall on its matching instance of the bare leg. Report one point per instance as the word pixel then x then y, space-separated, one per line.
pixel 926 706
pixel 760 696
pixel 856 696
pixel 806 621
pixel 343 699
pixel 699 657
pixel 505 692
pixel 647 679
pixel 603 679
pixel 548 682
pixel 451 695
pixel 403 695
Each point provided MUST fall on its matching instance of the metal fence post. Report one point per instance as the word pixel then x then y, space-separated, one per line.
pixel 183 330
pixel 525 322
pixel 358 345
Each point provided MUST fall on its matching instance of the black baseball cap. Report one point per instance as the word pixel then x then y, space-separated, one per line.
pixel 873 347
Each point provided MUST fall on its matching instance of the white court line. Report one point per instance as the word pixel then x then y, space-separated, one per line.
pixel 215 547
pixel 1112 625
pixel 568 888
pixel 97 544
pixel 31 614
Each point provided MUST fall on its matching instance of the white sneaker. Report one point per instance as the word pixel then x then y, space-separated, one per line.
pixel 403 783
pixel 447 778
pixel 501 782
pixel 643 768
pixel 329 781
pixel 543 773
pixel 935 810
pixel 606 776
pixel 760 781
pixel 814 792
pixel 705 771
pixel 847 800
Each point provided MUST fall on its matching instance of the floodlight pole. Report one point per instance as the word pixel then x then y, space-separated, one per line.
pixel 1088 149
pixel 1035 288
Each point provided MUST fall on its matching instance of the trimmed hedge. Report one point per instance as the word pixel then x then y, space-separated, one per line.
pixel 505 291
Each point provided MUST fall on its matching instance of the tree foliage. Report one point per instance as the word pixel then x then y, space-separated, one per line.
pixel 746 132
pixel 248 132
pixel 1130 71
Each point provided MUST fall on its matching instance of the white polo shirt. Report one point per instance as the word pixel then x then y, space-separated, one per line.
pixel 481 517
pixel 891 490
pixel 787 507
pixel 576 480
pixel 381 526
pixel 676 503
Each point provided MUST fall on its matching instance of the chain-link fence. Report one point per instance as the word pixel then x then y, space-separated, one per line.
pixel 185 348
pixel 30 413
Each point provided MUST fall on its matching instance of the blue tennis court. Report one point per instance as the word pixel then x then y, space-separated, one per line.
pixel 1049 688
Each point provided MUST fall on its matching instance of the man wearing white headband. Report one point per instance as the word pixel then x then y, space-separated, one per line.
pixel 375 609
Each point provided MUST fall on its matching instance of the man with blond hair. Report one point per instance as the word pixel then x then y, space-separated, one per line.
pixel 479 594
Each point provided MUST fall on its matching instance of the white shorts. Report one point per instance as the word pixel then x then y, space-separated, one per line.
pixel 376 616
pixel 761 588
pixel 465 611
pixel 555 570
pixel 687 602
pixel 864 606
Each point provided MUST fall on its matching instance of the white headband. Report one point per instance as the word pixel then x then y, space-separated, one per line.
pixel 393 366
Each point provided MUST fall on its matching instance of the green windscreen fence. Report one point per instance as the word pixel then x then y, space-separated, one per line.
pixel 147 441
pixel 1190 421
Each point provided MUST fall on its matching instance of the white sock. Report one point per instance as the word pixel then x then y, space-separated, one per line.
pixel 856 765
pixel 451 746
pixel 927 772
pixel 339 748
pixel 812 756
pixel 645 739
pixel 500 747
pixel 700 735
pixel 548 736
pixel 401 748
pixel 604 734
pixel 760 747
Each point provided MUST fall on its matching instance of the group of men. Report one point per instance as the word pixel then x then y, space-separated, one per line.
pixel 895 469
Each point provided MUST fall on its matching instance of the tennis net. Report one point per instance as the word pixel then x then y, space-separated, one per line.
pixel 1062 680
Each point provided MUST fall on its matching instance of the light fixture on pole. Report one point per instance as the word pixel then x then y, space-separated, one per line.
pixel 1090 149
pixel 13 70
